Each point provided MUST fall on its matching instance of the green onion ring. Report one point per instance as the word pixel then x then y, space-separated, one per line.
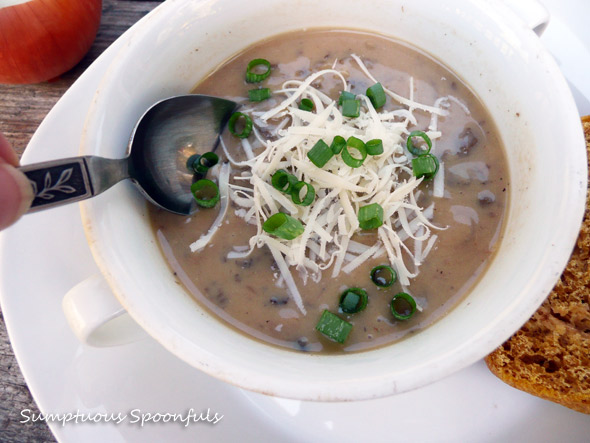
pixel 370 216
pixel 320 154
pixel 381 281
pixel 333 327
pixel 209 159
pixel 351 108
pixel 283 226
pixel 353 300
pixel 253 77
pixel 338 144
pixel 415 150
pixel 357 144
pixel 306 105
pixel 374 147
pixel 376 94
pixel 309 194
pixel 192 162
pixel 205 192
pixel 409 300
pixel 231 124
pixel 345 95
pixel 202 163
pixel 282 181
pixel 258 95
pixel 425 165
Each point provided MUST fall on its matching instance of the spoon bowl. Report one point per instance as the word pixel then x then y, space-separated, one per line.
pixel 168 133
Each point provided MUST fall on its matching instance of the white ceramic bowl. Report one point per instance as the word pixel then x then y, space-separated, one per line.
pixel 486 45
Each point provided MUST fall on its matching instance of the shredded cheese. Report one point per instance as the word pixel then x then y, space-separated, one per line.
pixel 331 221
pixel 224 173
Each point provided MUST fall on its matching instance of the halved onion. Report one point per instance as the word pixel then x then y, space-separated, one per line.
pixel 42 39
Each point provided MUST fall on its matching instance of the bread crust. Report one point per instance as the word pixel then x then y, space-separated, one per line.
pixel 550 355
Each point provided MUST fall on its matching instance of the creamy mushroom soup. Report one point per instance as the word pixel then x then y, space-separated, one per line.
pixel 437 233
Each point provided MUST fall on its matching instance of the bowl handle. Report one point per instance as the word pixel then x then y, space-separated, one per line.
pixel 96 317
pixel 532 13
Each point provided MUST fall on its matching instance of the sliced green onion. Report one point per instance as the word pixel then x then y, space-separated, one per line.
pixel 306 105
pixel 258 95
pixel 209 159
pixel 347 157
pixel 233 120
pixel 296 194
pixel 353 300
pixel 345 95
pixel 191 162
pixel 370 216
pixel 200 164
pixel 383 276
pixel 333 327
pixel 413 148
pixel 377 95
pixel 338 145
pixel 425 165
pixel 283 226
pixel 402 306
pixel 254 77
pixel 351 108
pixel 205 192
pixel 283 181
pixel 320 154
pixel 374 147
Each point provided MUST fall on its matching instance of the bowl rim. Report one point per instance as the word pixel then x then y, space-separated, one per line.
pixel 471 350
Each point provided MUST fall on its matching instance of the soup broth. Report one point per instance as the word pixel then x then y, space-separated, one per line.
pixel 250 293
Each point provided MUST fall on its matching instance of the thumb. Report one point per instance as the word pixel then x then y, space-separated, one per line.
pixel 16 194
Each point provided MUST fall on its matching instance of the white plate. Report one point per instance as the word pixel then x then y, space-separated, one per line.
pixel 45 254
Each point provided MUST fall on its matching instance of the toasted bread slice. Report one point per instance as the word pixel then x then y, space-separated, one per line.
pixel 550 355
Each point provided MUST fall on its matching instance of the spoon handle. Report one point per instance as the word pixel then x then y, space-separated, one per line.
pixel 59 182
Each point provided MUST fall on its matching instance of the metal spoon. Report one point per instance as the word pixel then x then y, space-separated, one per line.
pixel 164 138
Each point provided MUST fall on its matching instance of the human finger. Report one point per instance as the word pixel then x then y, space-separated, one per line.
pixel 16 192
pixel 7 154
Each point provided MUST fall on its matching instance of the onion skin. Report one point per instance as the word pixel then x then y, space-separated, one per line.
pixel 42 39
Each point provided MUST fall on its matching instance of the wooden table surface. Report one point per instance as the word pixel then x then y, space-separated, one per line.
pixel 22 108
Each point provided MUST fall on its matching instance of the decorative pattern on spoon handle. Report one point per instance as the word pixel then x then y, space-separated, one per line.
pixel 58 182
